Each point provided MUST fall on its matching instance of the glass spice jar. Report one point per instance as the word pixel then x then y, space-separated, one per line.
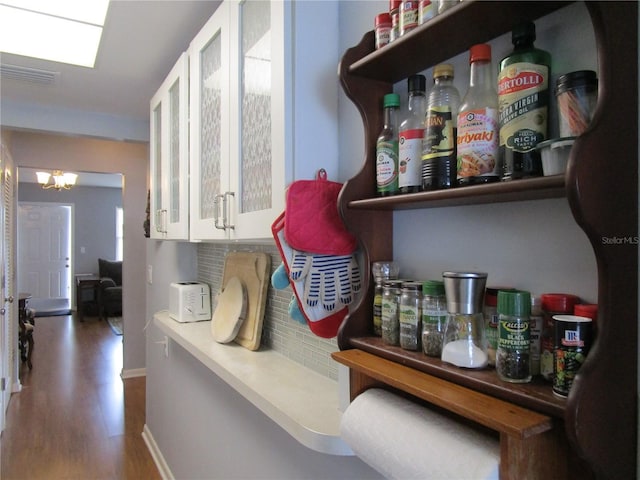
pixel 410 315
pixel 514 339
pixel 391 291
pixel 381 271
pixel 434 317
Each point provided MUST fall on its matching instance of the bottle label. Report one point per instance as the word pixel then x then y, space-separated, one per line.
pixel 410 151
pixel 408 16
pixel 523 92
pixel 439 135
pixel 478 143
pixel 386 166
pixel 514 336
pixel 426 9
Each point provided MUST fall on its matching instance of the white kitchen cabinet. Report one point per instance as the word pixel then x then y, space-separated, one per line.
pixel 259 69
pixel 169 149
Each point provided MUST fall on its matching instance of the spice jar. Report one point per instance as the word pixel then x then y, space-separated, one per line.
pixel 434 317
pixel 381 271
pixel 572 341
pixel 410 315
pixel 382 29
pixel 394 12
pixel 465 344
pixel 514 337
pixel 535 327
pixel 490 311
pixel 391 291
pixel 576 94
pixel 552 304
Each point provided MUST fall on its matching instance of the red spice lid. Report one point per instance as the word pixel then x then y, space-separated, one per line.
pixel 481 51
pixel 558 302
pixel 394 5
pixel 491 295
pixel 383 19
pixel 588 310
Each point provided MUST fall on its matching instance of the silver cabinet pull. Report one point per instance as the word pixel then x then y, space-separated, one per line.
pixel 225 207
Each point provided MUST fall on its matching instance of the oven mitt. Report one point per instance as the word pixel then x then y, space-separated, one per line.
pixel 321 322
pixel 329 280
pixel 313 223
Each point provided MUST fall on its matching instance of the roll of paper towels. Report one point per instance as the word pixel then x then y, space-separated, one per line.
pixel 403 440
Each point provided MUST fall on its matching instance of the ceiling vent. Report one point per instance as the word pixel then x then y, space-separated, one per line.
pixel 26 74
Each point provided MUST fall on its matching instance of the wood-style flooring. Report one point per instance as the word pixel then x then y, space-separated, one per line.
pixel 75 418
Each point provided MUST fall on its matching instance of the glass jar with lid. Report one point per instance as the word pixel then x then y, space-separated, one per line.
pixel 434 317
pixel 410 315
pixel 381 271
pixel 513 357
pixel 391 291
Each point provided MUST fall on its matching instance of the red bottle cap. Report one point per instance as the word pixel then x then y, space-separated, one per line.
pixel 482 51
pixel 394 5
pixel 558 302
pixel 383 19
pixel 588 310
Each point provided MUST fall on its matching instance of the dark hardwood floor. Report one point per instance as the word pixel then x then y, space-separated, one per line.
pixel 75 418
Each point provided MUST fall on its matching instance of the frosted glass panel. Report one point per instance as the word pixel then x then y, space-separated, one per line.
pixel 157 158
pixel 210 126
pixel 256 106
pixel 174 152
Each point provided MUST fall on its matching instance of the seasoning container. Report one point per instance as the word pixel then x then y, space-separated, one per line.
pixel 394 12
pixel 410 136
pixel 410 315
pixel 490 312
pixel 391 291
pixel 552 304
pixel 382 29
pixel 589 310
pixel 572 341
pixel 465 344
pixel 535 326
pixel 408 16
pixel 514 337
pixel 387 148
pixel 427 9
pixel 444 5
pixel 434 317
pixel 576 94
pixel 381 271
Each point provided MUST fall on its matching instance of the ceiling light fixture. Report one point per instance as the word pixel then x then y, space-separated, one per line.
pixel 61 180
pixel 62 31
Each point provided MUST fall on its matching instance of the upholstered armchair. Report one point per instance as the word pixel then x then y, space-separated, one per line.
pixel 109 289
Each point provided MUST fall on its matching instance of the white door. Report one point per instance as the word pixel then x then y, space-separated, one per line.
pixel 8 308
pixel 44 254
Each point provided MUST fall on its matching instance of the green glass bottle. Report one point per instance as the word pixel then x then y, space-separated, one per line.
pixel 523 104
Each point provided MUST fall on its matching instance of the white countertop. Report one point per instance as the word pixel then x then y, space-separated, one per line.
pixel 303 402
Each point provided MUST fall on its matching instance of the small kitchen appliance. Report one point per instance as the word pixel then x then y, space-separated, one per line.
pixel 189 302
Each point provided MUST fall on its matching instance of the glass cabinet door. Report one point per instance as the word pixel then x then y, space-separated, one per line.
pixel 209 146
pixel 256 177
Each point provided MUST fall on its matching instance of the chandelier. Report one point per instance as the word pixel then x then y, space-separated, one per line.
pixel 61 180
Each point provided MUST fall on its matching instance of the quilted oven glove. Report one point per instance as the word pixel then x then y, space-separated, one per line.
pixel 329 280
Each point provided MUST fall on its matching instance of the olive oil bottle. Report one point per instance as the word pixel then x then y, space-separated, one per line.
pixel 523 104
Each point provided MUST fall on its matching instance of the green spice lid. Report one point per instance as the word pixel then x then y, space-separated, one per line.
pixel 516 303
pixel 391 100
pixel 433 287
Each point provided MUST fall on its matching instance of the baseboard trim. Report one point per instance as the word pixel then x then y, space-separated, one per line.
pixel 133 372
pixel 156 454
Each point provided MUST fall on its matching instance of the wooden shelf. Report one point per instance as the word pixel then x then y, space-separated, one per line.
pixel 536 395
pixel 389 64
pixel 486 410
pixel 516 190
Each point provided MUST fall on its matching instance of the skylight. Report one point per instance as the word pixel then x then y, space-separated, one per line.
pixel 66 31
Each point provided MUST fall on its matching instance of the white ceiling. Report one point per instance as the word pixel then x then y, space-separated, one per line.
pixel 141 42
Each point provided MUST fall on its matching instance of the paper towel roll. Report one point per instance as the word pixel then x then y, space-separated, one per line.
pixel 404 440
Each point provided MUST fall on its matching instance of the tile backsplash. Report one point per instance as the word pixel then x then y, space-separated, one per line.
pixel 279 332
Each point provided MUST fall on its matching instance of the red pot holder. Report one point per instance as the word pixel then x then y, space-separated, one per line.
pixel 318 253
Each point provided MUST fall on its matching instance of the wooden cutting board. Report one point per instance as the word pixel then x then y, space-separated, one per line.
pixel 253 269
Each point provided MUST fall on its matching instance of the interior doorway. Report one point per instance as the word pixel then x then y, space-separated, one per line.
pixel 45 233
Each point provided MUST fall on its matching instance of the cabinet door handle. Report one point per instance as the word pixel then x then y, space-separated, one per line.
pixel 216 210
pixel 225 207
pixel 160 221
